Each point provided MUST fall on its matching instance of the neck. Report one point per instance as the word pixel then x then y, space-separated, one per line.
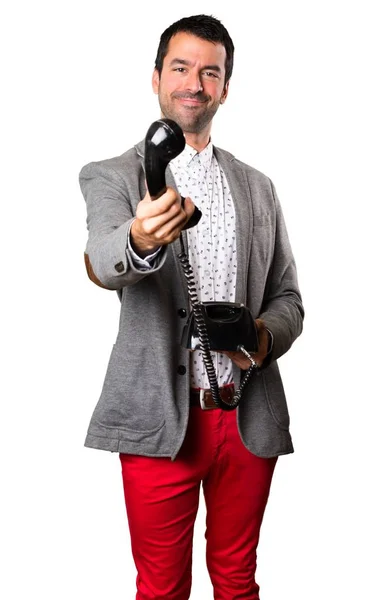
pixel 198 141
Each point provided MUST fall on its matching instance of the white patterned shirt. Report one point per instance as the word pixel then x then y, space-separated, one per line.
pixel 212 247
pixel 211 244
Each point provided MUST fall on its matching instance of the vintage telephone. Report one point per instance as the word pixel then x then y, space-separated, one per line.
pixel 216 326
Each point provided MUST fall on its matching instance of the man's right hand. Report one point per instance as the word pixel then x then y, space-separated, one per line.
pixel 159 222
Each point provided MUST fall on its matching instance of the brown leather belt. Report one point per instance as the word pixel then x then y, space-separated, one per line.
pixel 204 399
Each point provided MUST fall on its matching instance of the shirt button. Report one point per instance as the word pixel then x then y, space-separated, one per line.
pixel 181 370
pixel 207 273
pixel 182 313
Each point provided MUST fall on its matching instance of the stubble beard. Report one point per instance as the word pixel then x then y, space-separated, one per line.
pixel 191 120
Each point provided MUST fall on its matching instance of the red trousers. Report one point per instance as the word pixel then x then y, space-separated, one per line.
pixel 162 499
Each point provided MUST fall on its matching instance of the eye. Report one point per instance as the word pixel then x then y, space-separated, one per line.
pixel 210 74
pixel 180 69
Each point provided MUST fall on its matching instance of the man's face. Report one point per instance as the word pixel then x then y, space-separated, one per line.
pixel 191 85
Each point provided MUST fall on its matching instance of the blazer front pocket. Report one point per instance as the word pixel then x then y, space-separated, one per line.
pixel 132 397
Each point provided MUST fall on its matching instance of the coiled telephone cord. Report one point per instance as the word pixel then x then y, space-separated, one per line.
pixel 204 340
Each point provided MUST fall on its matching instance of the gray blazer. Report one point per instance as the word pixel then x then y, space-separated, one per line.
pixel 144 404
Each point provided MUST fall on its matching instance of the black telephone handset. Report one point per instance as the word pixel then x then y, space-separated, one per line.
pixel 164 141
pixel 215 326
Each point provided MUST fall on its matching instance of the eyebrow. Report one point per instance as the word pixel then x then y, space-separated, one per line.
pixel 187 63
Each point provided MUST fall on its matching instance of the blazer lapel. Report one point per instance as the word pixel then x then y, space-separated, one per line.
pixel 240 192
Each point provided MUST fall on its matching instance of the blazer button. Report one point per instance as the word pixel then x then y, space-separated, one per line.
pixel 119 267
pixel 182 312
pixel 181 370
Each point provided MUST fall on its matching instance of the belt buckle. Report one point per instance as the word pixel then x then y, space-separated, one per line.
pixel 202 402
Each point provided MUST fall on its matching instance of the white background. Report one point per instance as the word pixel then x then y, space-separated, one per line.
pixel 303 108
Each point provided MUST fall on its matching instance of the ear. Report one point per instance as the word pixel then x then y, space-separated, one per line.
pixel 225 92
pixel 155 81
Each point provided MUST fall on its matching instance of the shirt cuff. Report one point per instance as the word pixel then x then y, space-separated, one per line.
pixel 142 264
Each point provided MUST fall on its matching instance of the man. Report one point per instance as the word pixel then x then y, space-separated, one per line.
pixel 149 410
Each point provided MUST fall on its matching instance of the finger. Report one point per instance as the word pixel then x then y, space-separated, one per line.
pixel 191 211
pixel 167 208
pixel 238 358
pixel 170 230
pixel 188 207
pixel 164 223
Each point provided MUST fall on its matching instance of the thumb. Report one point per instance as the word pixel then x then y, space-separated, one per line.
pixel 188 207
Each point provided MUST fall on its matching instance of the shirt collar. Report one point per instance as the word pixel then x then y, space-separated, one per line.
pixel 186 157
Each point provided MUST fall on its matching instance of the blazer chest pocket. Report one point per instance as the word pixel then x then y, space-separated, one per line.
pixel 262 219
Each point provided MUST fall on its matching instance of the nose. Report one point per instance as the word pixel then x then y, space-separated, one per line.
pixel 193 83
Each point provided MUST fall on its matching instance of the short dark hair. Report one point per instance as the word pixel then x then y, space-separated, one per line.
pixel 203 26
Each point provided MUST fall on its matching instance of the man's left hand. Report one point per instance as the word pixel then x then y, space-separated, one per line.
pixel 241 360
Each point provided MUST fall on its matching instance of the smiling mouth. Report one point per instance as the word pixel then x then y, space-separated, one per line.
pixel 190 102
pixel 191 99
